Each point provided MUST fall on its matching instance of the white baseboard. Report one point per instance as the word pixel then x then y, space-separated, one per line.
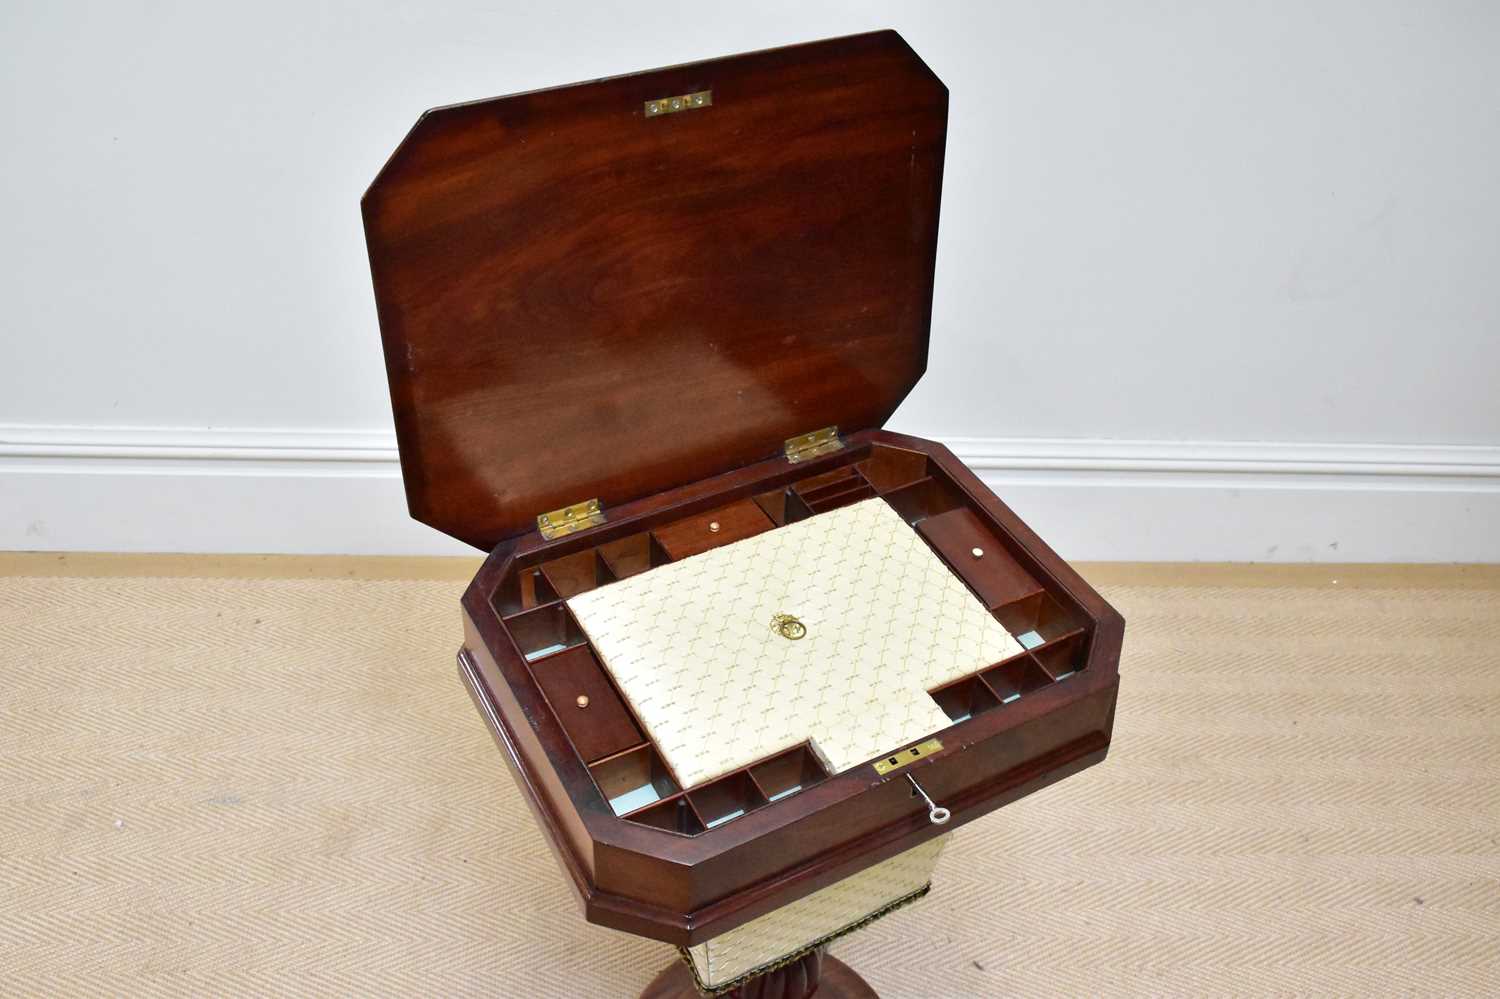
pixel 316 491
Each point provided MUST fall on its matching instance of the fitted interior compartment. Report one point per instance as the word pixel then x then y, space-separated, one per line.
pixel 544 630
pixel 787 773
pixel 1038 619
pixel 783 506
pixel 674 815
pixel 522 591
pixel 773 505
pixel 726 798
pixel 924 498
pixel 836 481
pixel 624 761
pixel 577 573
pixel 632 555
pixel 1016 677
pixel 1064 656
pixel 889 468
pixel 586 703
pixel 963 700
pixel 846 493
pixel 633 779
pixel 815 494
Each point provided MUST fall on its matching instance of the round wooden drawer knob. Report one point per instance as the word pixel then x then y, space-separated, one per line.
pixel 583 700
pixel 713 527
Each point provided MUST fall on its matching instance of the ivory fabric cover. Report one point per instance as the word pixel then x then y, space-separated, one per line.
pixel 692 645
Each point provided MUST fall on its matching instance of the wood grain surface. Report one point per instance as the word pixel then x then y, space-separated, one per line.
pixel 578 300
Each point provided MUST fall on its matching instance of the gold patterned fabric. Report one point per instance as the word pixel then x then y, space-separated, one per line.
pixel 793 927
pixel 702 649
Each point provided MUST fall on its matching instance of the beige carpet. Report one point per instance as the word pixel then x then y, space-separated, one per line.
pixel 261 775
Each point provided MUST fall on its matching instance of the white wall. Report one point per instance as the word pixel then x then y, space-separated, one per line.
pixel 1216 280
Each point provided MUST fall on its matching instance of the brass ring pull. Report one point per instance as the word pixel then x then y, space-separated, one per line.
pixel 788 626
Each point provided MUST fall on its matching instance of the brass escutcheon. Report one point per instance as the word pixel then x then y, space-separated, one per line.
pixel 788 626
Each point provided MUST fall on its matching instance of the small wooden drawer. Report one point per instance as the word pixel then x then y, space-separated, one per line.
pixel 997 578
pixel 694 535
pixel 599 726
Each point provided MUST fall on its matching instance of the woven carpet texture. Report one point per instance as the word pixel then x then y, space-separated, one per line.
pixel 251 776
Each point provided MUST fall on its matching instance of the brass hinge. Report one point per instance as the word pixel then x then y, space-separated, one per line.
pixel 807 446
pixel 559 523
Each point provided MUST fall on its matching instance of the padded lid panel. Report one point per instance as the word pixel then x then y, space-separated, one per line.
pixel 694 647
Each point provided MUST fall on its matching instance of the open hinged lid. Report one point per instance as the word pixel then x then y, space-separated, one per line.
pixel 606 290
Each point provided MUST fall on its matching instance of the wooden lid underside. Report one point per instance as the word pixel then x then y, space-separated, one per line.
pixel 580 299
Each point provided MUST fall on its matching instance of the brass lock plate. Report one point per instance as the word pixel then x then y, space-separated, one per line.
pixel 911 754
